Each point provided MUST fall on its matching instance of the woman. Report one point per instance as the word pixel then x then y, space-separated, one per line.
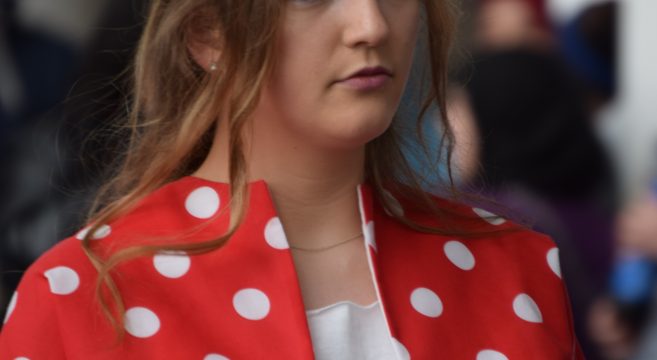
pixel 264 159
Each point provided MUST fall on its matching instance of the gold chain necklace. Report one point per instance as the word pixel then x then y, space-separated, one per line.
pixel 328 247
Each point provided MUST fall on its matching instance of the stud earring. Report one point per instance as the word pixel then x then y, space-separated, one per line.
pixel 213 66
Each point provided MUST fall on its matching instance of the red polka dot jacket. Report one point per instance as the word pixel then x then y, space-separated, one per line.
pixel 495 298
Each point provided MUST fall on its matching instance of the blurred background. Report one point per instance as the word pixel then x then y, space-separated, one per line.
pixel 553 102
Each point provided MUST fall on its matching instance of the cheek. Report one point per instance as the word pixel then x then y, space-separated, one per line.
pixel 295 92
pixel 326 116
pixel 297 80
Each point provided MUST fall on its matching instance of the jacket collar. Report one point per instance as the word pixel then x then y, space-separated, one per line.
pixel 261 214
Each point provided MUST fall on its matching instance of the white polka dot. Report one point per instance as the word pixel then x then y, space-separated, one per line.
pixel 11 307
pixel 526 309
pixel 395 206
pixel 491 355
pixel 459 255
pixel 426 302
pixel 21 358
pixel 102 232
pixel 368 233
pixel 553 261
pixel 401 350
pixel 62 280
pixel 215 357
pixel 82 233
pixel 172 264
pixel 275 235
pixel 141 322
pixel 203 202
pixel 251 304
pixel 489 216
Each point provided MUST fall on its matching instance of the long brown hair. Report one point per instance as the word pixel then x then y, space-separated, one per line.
pixel 174 111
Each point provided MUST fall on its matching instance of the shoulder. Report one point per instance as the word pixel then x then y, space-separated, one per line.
pixel 60 286
pixel 34 306
pixel 507 275
pixel 472 243
pixel 472 224
pixel 162 216
pixel 188 209
pixel 58 271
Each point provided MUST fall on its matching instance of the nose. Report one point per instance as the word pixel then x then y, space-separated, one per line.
pixel 365 23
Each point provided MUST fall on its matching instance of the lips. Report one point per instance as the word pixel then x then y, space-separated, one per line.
pixel 367 79
pixel 370 71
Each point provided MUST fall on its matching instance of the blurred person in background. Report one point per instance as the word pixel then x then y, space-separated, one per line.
pixel 40 46
pixel 637 230
pixel 504 24
pixel 637 227
pixel 56 146
pixel 37 36
pixel 528 140
pixel 624 323
pixel 587 43
pixel 620 319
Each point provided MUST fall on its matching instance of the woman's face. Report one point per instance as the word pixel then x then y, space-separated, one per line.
pixel 324 43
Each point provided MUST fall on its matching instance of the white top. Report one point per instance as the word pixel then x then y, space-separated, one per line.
pixel 348 331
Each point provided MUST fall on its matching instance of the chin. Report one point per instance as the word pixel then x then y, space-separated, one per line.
pixel 357 133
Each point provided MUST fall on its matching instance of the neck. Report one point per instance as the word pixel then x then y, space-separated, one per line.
pixel 314 189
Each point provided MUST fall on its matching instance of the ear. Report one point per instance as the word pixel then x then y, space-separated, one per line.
pixel 204 48
pixel 204 55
